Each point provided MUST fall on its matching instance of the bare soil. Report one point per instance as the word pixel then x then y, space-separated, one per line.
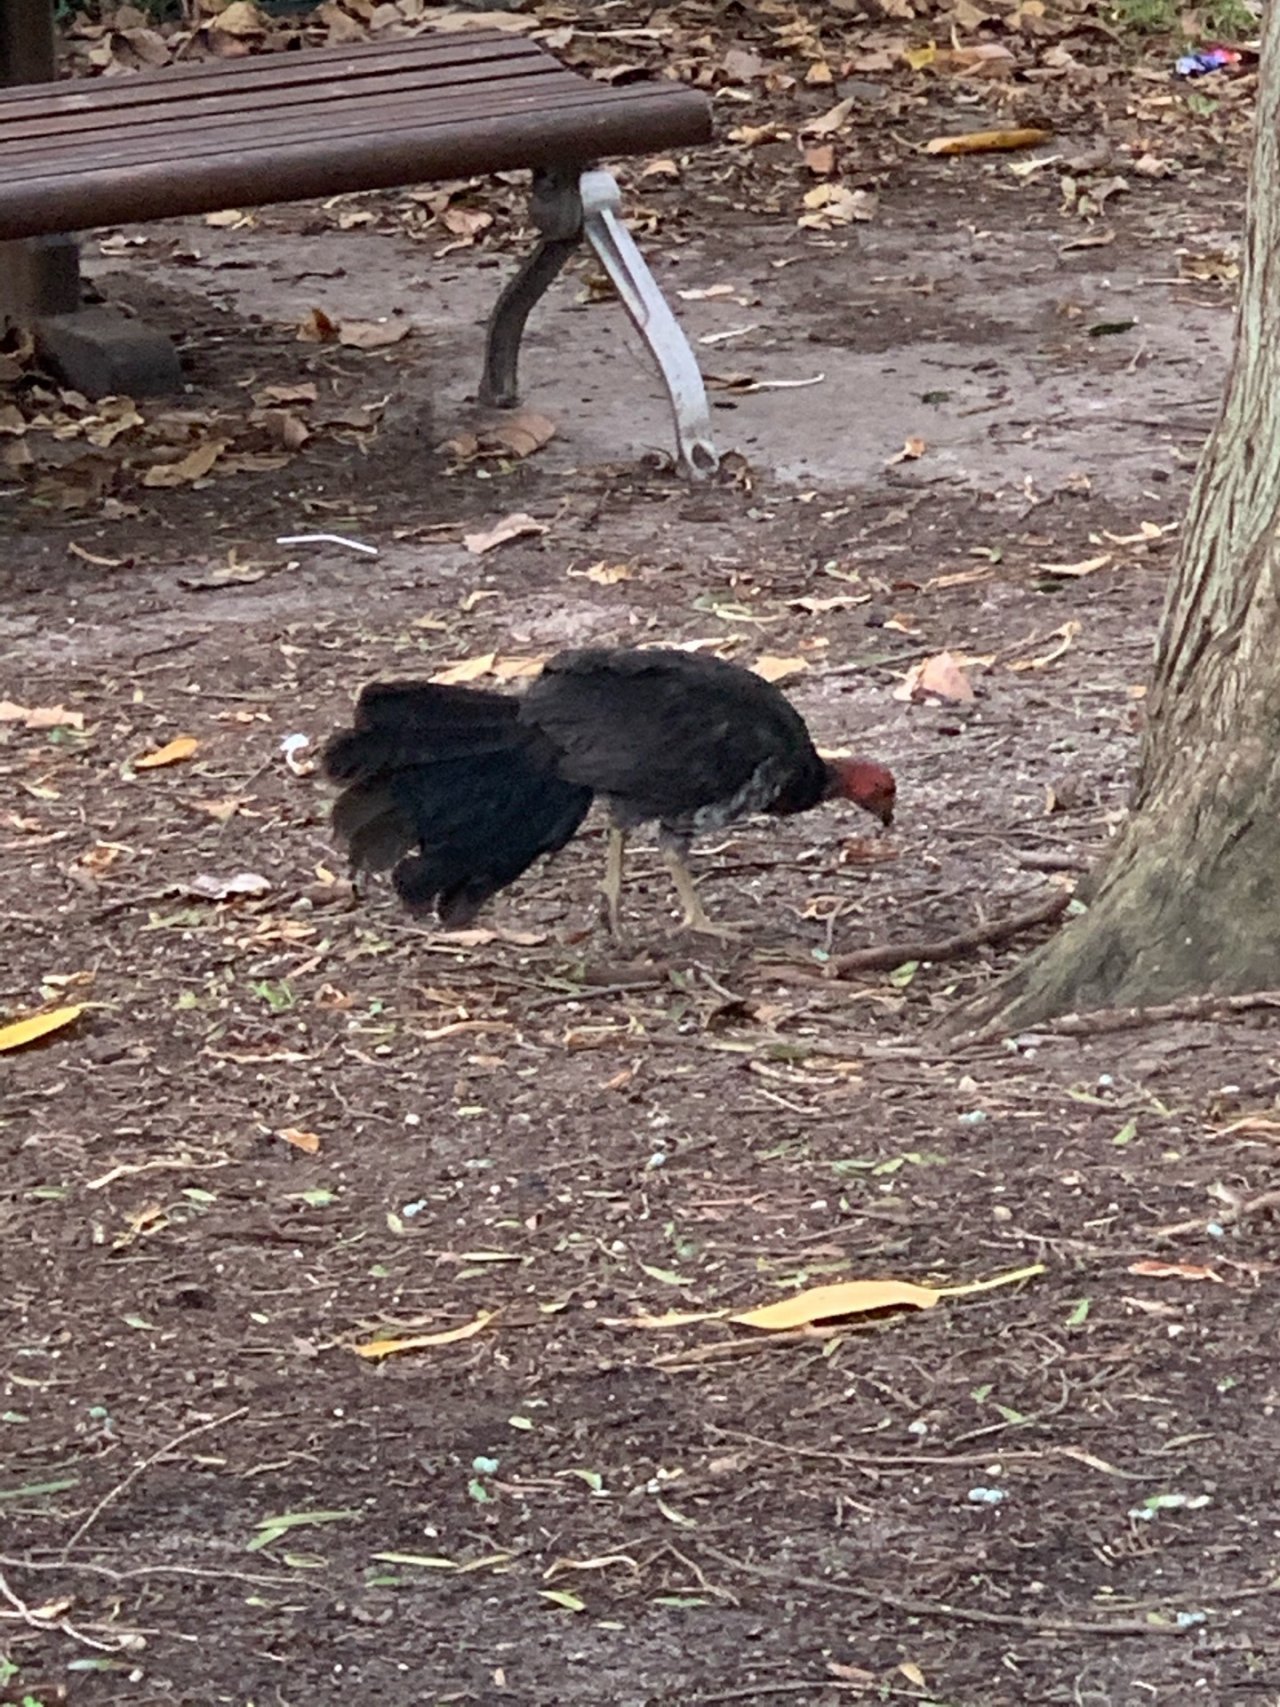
pixel 1060 1491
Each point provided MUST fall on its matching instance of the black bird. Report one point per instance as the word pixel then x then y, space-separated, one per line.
pixel 462 789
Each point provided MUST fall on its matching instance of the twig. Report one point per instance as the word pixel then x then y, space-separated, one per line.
pixel 141 1468
pixel 1048 1624
pixel 1230 1212
pixel 36 1619
pixel 1107 1020
pixel 884 956
pixel 91 1566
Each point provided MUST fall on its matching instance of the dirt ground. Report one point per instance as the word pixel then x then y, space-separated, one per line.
pixel 291 1121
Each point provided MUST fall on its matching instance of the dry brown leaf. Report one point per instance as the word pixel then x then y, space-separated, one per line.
pixel 308 1142
pixel 517 526
pixel 828 123
pixel 524 433
pixel 465 670
pixel 518 669
pixel 939 677
pixel 192 467
pixel 373 334
pixel 272 395
pixel 1176 1271
pixel 172 753
pixel 821 159
pixel 912 450
pixel 240 18
pixel 1068 631
pixel 1089 566
pixel 317 328
pixel 40 716
pixel 604 574
pixel 419 1342
pixel 776 669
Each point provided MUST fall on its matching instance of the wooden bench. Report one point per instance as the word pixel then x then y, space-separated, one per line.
pixel 288 126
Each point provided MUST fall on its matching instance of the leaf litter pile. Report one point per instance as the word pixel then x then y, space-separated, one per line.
pixel 511 1314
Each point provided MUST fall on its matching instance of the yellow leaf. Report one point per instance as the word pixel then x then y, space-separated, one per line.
pixel 300 1140
pixel 912 1673
pixel 775 669
pixel 986 141
pixel 170 754
pixel 918 57
pixel 466 670
pixel 1009 1278
pixel 515 669
pixel 23 1031
pixel 419 1342
pixel 845 1298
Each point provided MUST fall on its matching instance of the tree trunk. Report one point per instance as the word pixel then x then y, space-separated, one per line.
pixel 1188 900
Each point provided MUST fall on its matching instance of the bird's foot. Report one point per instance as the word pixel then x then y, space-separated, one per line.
pixel 696 920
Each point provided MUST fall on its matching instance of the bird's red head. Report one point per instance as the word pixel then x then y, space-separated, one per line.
pixel 866 783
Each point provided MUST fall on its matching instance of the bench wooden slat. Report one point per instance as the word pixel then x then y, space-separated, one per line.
pixel 45 135
pixel 397 116
pixel 288 127
pixel 273 70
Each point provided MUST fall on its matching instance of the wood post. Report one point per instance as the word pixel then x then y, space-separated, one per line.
pixel 41 276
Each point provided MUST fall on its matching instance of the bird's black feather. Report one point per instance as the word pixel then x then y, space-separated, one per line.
pixel 678 736
pixel 461 790
pixel 446 786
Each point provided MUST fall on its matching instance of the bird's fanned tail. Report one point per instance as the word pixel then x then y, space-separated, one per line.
pixel 444 785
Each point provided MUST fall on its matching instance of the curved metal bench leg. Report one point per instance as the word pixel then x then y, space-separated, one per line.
pixel 556 213
pixel 644 302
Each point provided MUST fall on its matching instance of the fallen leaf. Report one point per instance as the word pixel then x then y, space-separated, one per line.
pixel 305 1141
pixel 420 1342
pixel 826 124
pixel 1176 1271
pixel 821 160
pixel 518 669
pixel 604 574
pixel 192 467
pixel 171 754
pixel 524 433
pixel 829 1303
pixel 373 334
pixel 986 141
pixel 466 670
pixel 517 526
pixel 939 677
pixel 317 328
pixel 1089 566
pixel 775 669
pixel 858 1297
pixel 912 450
pixel 209 888
pixel 19 1032
pixel 40 716
pixel 1068 631
pixel 240 18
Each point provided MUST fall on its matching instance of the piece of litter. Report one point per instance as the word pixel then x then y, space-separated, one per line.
pixel 290 747
pixel 328 539
pixel 986 1496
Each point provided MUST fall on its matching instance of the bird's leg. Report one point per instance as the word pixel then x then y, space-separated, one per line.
pixel 611 888
pixel 675 851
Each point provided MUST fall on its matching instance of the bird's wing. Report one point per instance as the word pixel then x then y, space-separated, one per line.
pixel 669 732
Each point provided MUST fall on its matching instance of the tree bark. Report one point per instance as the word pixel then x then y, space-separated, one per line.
pixel 1188 900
